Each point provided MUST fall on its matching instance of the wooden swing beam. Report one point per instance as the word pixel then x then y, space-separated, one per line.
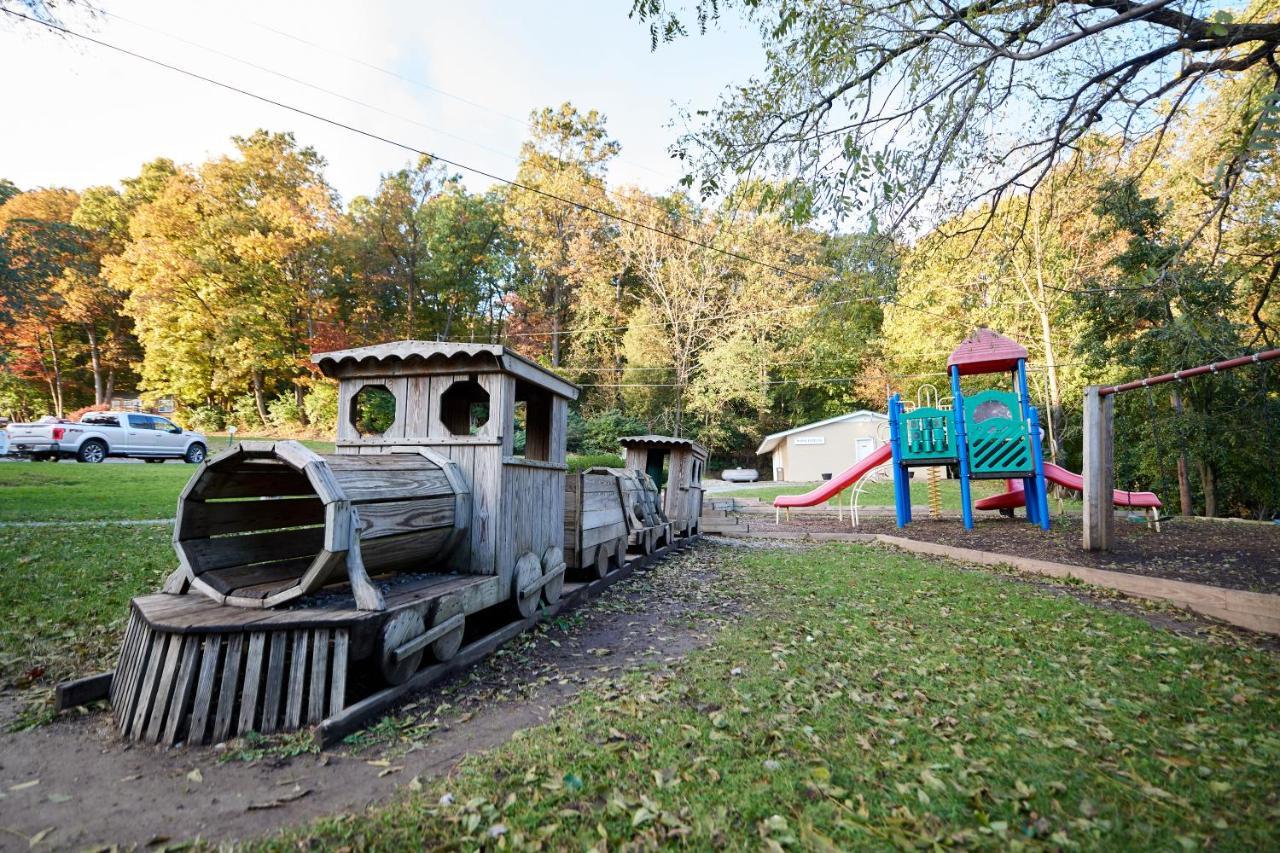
pixel 1099 443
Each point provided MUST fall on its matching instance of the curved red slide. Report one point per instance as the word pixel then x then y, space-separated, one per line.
pixel 839 482
pixel 1062 477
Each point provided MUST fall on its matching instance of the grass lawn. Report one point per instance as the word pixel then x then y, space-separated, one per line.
pixel 64 593
pixel 42 491
pixel 874 699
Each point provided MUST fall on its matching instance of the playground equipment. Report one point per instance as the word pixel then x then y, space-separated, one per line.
pixel 311 588
pixel 1099 421
pixel 991 435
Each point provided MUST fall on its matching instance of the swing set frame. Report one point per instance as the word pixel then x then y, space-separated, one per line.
pixel 1099 443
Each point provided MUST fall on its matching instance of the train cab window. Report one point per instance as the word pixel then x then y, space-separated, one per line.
pixel 533 412
pixel 373 410
pixel 696 476
pixel 464 408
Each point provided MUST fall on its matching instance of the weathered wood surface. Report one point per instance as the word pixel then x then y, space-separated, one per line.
pixel 1099 470
pixel 82 691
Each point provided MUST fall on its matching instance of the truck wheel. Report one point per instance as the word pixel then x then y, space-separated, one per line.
pixel 92 450
pixel 195 454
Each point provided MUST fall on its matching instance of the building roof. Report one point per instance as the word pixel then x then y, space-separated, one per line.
pixel 774 439
pixel 986 351
pixel 398 353
pixel 664 441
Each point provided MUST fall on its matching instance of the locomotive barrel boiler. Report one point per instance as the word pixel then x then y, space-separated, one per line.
pixel 307 582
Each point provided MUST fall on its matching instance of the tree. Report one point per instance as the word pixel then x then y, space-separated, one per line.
pixel 566 159
pixel 930 106
pixel 226 272
pixel 8 189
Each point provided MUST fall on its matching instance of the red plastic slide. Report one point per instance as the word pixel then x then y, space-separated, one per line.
pixel 839 482
pixel 1062 477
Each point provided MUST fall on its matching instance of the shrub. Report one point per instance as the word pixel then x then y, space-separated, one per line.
pixel 601 431
pixel 581 462
pixel 321 405
pixel 244 413
pixel 205 418
pixel 284 411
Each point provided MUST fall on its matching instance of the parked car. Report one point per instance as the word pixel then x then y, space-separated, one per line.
pixel 102 434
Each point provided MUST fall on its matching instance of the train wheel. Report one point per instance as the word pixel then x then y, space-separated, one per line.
pixel 646 541
pixel 620 553
pixel 553 561
pixel 525 590
pixel 601 563
pixel 442 610
pixel 398 630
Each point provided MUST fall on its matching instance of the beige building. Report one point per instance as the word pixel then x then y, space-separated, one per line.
pixel 825 448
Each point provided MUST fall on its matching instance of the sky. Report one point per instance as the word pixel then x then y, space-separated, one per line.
pixel 456 79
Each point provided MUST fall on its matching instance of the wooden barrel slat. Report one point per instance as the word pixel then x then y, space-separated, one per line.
pixel 147 688
pixel 338 679
pixel 183 690
pixel 269 483
pixel 252 682
pixel 164 690
pixel 126 664
pixel 275 679
pixel 129 692
pixel 229 688
pixel 226 551
pixel 393 517
pixel 319 676
pixel 216 518
pixel 204 690
pixel 297 679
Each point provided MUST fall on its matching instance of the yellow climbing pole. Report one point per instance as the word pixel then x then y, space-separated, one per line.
pixel 935 493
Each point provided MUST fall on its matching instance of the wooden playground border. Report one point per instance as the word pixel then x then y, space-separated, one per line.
pixel 1255 611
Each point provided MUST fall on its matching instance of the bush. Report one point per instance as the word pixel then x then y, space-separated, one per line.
pixel 205 418
pixel 574 432
pixel 584 461
pixel 244 413
pixel 321 406
pixel 284 411
pixel 601 432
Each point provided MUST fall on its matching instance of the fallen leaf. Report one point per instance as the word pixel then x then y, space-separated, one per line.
pixel 39 836
pixel 279 801
pixel 22 786
pixel 195 776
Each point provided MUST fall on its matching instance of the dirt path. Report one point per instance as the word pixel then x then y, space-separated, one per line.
pixel 73 784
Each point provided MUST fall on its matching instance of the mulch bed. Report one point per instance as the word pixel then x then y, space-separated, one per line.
pixel 1220 553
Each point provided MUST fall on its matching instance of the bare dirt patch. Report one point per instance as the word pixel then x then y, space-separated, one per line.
pixel 1234 555
pixel 74 784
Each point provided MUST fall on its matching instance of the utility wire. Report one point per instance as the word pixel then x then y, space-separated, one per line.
pixel 515 184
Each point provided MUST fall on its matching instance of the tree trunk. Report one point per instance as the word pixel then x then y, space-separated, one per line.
pixel 1207 481
pixel 259 397
pixel 109 388
pixel 95 360
pixel 1054 419
pixel 57 374
pixel 299 397
pixel 1184 478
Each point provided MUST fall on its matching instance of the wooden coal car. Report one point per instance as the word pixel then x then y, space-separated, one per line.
pixel 308 580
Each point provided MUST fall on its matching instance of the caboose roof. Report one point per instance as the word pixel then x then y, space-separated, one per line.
pixel 665 442
pixel 401 357
pixel 986 351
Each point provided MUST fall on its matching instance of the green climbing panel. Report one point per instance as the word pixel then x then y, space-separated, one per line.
pixel 926 435
pixel 999 445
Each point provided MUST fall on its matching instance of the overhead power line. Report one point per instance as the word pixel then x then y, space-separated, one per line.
pixel 588 208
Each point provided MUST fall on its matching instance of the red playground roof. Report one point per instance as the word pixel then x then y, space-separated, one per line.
pixel 986 352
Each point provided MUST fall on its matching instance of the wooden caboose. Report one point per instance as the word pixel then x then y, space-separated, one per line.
pixel 676 465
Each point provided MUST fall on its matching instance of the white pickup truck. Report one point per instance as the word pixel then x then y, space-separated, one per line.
pixel 102 434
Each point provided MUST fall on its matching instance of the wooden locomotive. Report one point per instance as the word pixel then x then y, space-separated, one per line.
pixel 306 580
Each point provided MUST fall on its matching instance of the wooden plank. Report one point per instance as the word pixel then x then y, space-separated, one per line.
pixel 338 678
pixel 129 692
pixel 203 701
pixel 236 580
pixel 207 554
pixel 82 691
pixel 147 690
pixel 229 689
pixel 127 650
pixel 1099 471
pixel 297 678
pixel 274 685
pixel 215 518
pixel 318 692
pixel 277 481
pixel 164 690
pixel 390 519
pixel 366 484
pixel 252 682
pixel 346 465
pixel 184 689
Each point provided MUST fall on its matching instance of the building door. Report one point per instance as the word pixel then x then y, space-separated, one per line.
pixel 863 446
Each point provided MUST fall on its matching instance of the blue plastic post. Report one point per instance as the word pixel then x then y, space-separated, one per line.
pixel 902 509
pixel 1024 399
pixel 1042 492
pixel 962 447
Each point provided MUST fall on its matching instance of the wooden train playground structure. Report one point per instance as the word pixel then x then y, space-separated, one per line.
pixel 318 590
